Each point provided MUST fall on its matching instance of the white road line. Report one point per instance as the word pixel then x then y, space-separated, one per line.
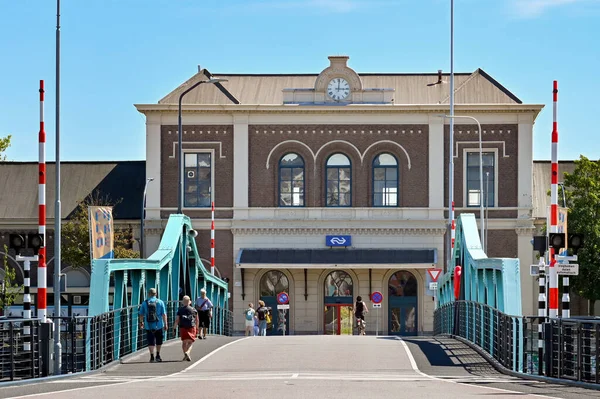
pixel 127 382
pixel 416 369
pixel 209 355
pixel 295 375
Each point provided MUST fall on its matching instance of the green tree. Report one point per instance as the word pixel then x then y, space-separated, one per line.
pixel 4 144
pixel 75 248
pixel 9 289
pixel 582 189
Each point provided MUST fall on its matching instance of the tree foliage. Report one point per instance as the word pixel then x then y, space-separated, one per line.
pixel 582 189
pixel 75 248
pixel 9 289
pixel 4 144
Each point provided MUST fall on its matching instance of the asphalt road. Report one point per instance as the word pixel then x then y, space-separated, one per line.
pixel 303 367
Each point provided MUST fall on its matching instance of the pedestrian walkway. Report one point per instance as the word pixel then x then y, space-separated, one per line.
pixel 297 367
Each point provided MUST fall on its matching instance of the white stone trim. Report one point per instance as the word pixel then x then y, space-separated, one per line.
pixel 176 143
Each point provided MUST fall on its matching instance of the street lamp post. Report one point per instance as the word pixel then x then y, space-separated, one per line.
pixel 148 180
pixel 481 216
pixel 180 132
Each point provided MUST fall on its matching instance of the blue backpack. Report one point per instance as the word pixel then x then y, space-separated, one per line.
pixel 249 314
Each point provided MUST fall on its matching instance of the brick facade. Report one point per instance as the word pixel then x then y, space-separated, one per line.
pixel 361 143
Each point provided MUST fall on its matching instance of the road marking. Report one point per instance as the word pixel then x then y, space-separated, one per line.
pixel 416 369
pixel 209 355
pixel 295 375
pixel 130 381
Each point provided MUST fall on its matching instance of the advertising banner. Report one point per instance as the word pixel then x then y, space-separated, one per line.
pixel 102 238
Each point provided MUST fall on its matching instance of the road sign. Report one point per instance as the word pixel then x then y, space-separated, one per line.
pixel 434 274
pixel 433 286
pixel 286 306
pixel 376 305
pixel 376 297
pixel 567 269
pixel 283 298
pixel 338 241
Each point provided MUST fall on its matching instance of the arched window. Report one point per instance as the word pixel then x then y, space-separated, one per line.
pixel 291 180
pixel 402 283
pixel 273 282
pixel 338 283
pixel 338 181
pixel 385 180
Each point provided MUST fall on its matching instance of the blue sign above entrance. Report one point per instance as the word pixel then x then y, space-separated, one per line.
pixel 338 241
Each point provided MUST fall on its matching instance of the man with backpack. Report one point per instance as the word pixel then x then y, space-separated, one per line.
pixel 249 316
pixel 153 319
pixel 264 316
pixel 187 320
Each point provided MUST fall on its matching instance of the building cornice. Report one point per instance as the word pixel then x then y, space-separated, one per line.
pixel 272 231
pixel 348 109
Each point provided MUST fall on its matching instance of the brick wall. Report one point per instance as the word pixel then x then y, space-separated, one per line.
pixel 207 137
pixel 356 142
pixel 504 138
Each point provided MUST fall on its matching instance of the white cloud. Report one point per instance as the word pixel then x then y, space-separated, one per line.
pixel 533 8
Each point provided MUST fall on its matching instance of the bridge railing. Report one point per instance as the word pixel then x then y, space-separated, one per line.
pixel 500 335
pixel 569 349
pixel 92 342
pixel 572 349
pixel 20 350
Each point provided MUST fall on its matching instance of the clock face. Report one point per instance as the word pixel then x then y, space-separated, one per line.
pixel 338 89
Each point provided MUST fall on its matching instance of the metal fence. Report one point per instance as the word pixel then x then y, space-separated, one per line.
pixel 573 349
pixel 20 355
pixel 498 334
pixel 90 343
pixel 568 350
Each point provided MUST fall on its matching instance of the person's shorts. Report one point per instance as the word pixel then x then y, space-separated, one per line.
pixel 187 334
pixel 154 337
pixel 204 318
pixel 361 316
pixel 249 323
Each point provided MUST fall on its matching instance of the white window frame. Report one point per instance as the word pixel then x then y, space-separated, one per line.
pixel 212 173
pixel 466 151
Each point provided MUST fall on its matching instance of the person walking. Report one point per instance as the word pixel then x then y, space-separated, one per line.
pixel 249 316
pixel 204 307
pixel 187 320
pixel 263 314
pixel 153 319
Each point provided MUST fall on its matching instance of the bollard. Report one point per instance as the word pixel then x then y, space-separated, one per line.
pixel 46 348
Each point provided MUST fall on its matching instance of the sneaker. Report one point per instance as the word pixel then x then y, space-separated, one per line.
pixel 151 358
pixel 187 357
pixel 158 359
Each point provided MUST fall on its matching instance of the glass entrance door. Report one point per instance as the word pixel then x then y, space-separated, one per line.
pixel 403 316
pixel 338 319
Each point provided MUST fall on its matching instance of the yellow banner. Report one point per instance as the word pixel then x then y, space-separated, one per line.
pixel 102 240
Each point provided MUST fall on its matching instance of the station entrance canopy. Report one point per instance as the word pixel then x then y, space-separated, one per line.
pixel 258 258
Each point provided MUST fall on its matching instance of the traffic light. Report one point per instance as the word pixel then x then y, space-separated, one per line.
pixel 17 243
pixel 557 241
pixel 540 244
pixel 35 241
pixel 575 242
pixel 26 244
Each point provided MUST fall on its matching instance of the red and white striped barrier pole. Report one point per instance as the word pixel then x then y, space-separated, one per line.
pixel 212 240
pixel 553 288
pixel 42 281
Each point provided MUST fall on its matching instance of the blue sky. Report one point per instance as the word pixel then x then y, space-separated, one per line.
pixel 119 52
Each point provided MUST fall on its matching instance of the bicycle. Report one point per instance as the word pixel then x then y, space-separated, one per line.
pixel 362 327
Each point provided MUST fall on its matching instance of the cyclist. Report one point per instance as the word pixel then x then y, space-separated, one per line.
pixel 360 308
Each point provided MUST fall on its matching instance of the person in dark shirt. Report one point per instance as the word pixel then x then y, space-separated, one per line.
pixel 187 320
pixel 262 313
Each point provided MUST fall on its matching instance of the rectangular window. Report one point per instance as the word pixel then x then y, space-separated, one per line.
pixel 197 178
pixel 473 191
